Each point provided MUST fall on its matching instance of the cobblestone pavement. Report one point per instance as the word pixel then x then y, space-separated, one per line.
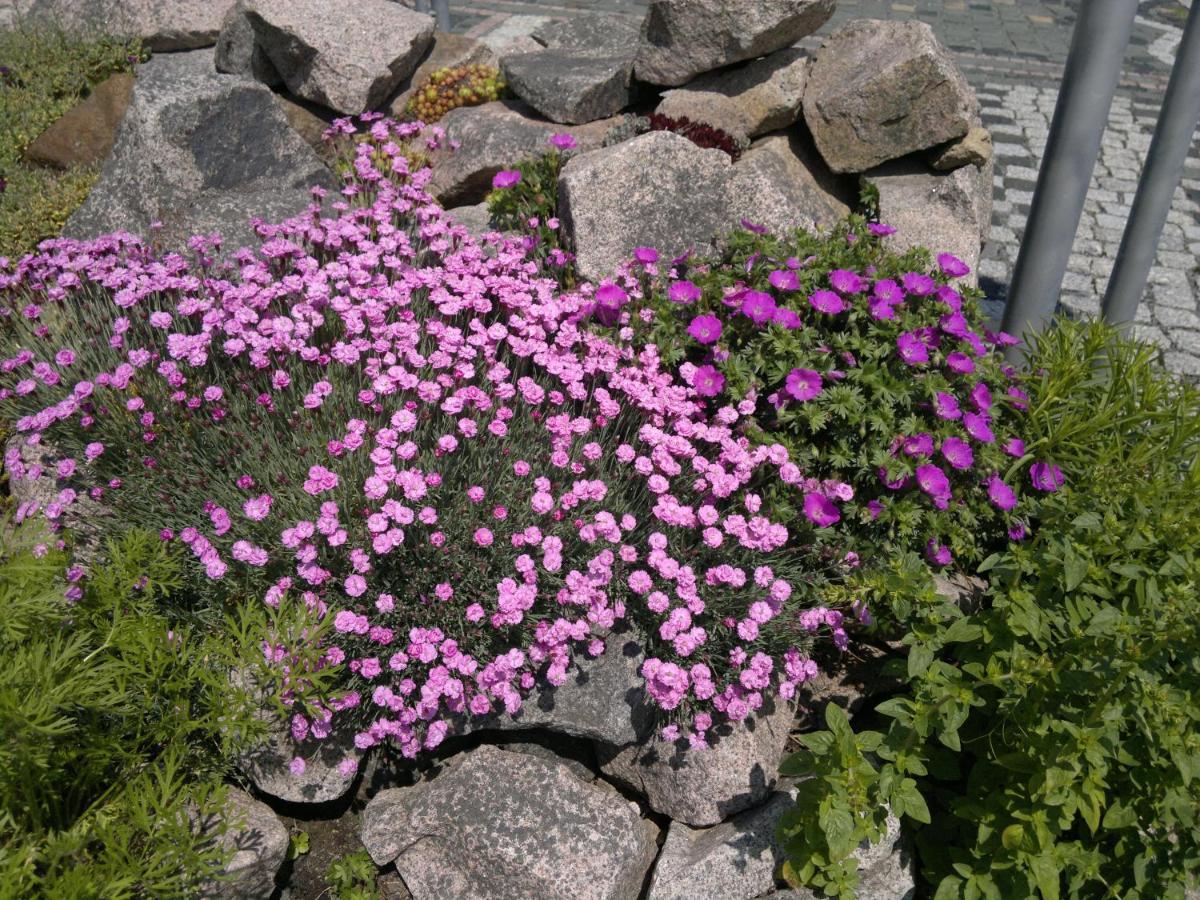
pixel 1013 52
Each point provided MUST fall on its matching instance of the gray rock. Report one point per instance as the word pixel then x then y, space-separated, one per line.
pixel 348 56
pixel 878 90
pixel 515 35
pixel 658 190
pixel 946 212
pixel 476 219
pixel 498 824
pixel 603 699
pixel 259 843
pixel 566 86
pixel 761 96
pixel 603 34
pixel 447 51
pixel 574 753
pixel 268 766
pixel 782 183
pixel 200 152
pixel 238 52
pixel 492 137
pixel 682 38
pixel 973 149
pixel 162 25
pixel 704 787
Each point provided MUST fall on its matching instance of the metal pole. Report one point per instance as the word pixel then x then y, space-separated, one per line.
pixel 1090 78
pixel 1160 175
pixel 441 9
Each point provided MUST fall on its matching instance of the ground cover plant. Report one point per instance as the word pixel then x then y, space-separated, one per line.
pixel 412 441
pixel 454 86
pixel 115 719
pixel 42 75
pixel 1049 740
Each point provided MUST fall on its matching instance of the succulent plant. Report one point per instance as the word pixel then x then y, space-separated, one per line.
pixel 451 87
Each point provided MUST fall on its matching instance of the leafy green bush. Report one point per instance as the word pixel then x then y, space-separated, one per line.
pixel 1050 741
pixel 115 721
pixel 352 877
pixel 42 75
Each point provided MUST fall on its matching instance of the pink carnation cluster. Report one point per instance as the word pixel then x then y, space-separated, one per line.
pixel 448 465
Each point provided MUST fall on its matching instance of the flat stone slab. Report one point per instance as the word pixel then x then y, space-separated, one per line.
pixel 567 87
pixel 162 25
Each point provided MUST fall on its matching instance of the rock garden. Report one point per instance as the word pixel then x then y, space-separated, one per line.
pixel 571 465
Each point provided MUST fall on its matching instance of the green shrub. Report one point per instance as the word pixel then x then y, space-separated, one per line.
pixel 530 207
pixel 115 721
pixel 1053 734
pixel 42 75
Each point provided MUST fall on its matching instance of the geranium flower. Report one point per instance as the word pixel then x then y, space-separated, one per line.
pixel 827 302
pixel 788 318
pixel 563 141
pixel 820 510
pixel 645 255
pixel 803 384
pixel 1046 476
pixel 846 281
pixel 912 349
pixel 879 229
pixel 958 453
pixel 938 553
pixel 933 481
pixel 705 329
pixel 784 280
pixel 959 362
pixel 1000 493
pixel 917 284
pixel 978 426
pixel 506 178
pixel 758 307
pixel 953 266
pixel 683 292
pixel 945 406
pixel 707 381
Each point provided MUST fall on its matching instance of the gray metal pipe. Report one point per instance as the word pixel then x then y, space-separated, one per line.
pixel 441 11
pixel 1090 78
pixel 1160 176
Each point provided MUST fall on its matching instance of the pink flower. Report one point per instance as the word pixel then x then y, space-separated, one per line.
pixel 952 266
pixel 912 349
pixel 705 329
pixel 257 508
pixel 483 537
pixel 758 307
pixel 707 381
pixel 847 282
pixel 784 280
pixel 1046 476
pixel 933 481
pixel 1000 493
pixel 827 302
pixel 820 510
pixel 506 178
pixel 803 384
pixel 683 293
pixel 562 141
pixel 958 453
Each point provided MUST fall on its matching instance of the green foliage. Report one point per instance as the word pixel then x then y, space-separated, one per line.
pixel 352 877
pixel 44 74
pixel 1050 741
pixel 451 87
pixel 530 207
pixel 115 722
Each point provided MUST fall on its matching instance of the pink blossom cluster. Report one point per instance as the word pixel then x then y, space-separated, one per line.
pixel 417 439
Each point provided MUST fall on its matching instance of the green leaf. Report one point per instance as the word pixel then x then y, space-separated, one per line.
pixel 1075 569
pixel 914 804
pixel 919 659
pixel 1012 836
pixel 1046 874
pixel 1119 816
pixel 838 826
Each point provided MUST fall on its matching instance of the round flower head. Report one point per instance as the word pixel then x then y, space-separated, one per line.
pixel 827 302
pixel 847 282
pixel 1046 476
pixel 952 266
pixel 645 255
pixel 705 329
pixel 803 384
pixel 563 141
pixel 707 381
pixel 820 510
pixel 506 178
pixel 683 292
pixel 912 349
pixel 784 280
pixel 758 307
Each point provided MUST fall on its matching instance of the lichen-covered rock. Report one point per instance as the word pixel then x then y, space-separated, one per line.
pixel 500 824
pixel 162 25
pixel 781 183
pixel 491 137
pixel 704 787
pixel 258 842
pixel 657 190
pixel 973 149
pixel 199 152
pixel 322 780
pixel 682 38
pixel 568 86
pixel 761 96
pixel 238 53
pixel 84 135
pixel 878 90
pixel 349 56
pixel 592 33
pixel 946 212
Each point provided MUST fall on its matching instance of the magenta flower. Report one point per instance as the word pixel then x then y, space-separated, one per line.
pixel 784 280
pixel 888 291
pixel 758 307
pixel 961 363
pixel 919 445
pixel 705 329
pixel 506 178
pixel 917 284
pixel 912 349
pixel 803 384
pixel 981 397
pixel 611 295
pixel 707 381
pixel 257 508
pixel 880 309
pixel 563 141
pixel 945 406
pixel 953 266
pixel 978 426
pixel 754 227
pixel 1014 447
pixel 827 302
pixel 1046 476
pixel 1017 531
pixel 933 481
pixel 950 297
pixel 1020 399
pixel 788 318
pixel 1000 493
pixel 645 255
pixel 938 553
pixel 958 453
pixel 820 510
pixel 879 229
pixel 847 282
pixel 683 292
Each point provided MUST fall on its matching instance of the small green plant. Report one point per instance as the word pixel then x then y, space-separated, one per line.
pixel 451 87
pixel 1049 742
pixel 352 877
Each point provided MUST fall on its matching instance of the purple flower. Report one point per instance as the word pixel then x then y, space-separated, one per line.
pixel 788 318
pixel 950 297
pixel 758 307
pixel 847 282
pixel 609 294
pixel 874 508
pixel 1046 476
pixel 1020 399
pixel 912 349
pixel 938 553
pixel 888 291
pixel 803 384
pixel 827 302
pixel 1000 493
pixel 707 381
pixel 753 227
pixel 784 280
pixel 880 230
pixel 933 481
pixel 918 445
pixel 1014 447
pixel 683 292
pixel 892 485
pixel 978 347
pixel 880 309
pixel 645 255
pixel 958 453
pixel 981 397
pixel 953 266
pixel 960 362
pixel 978 426
pixel 917 284
pixel 954 324
pixel 705 329
pixel 946 406
pixel 563 141
pixel 820 510
pixel 506 178
pixel 1017 531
